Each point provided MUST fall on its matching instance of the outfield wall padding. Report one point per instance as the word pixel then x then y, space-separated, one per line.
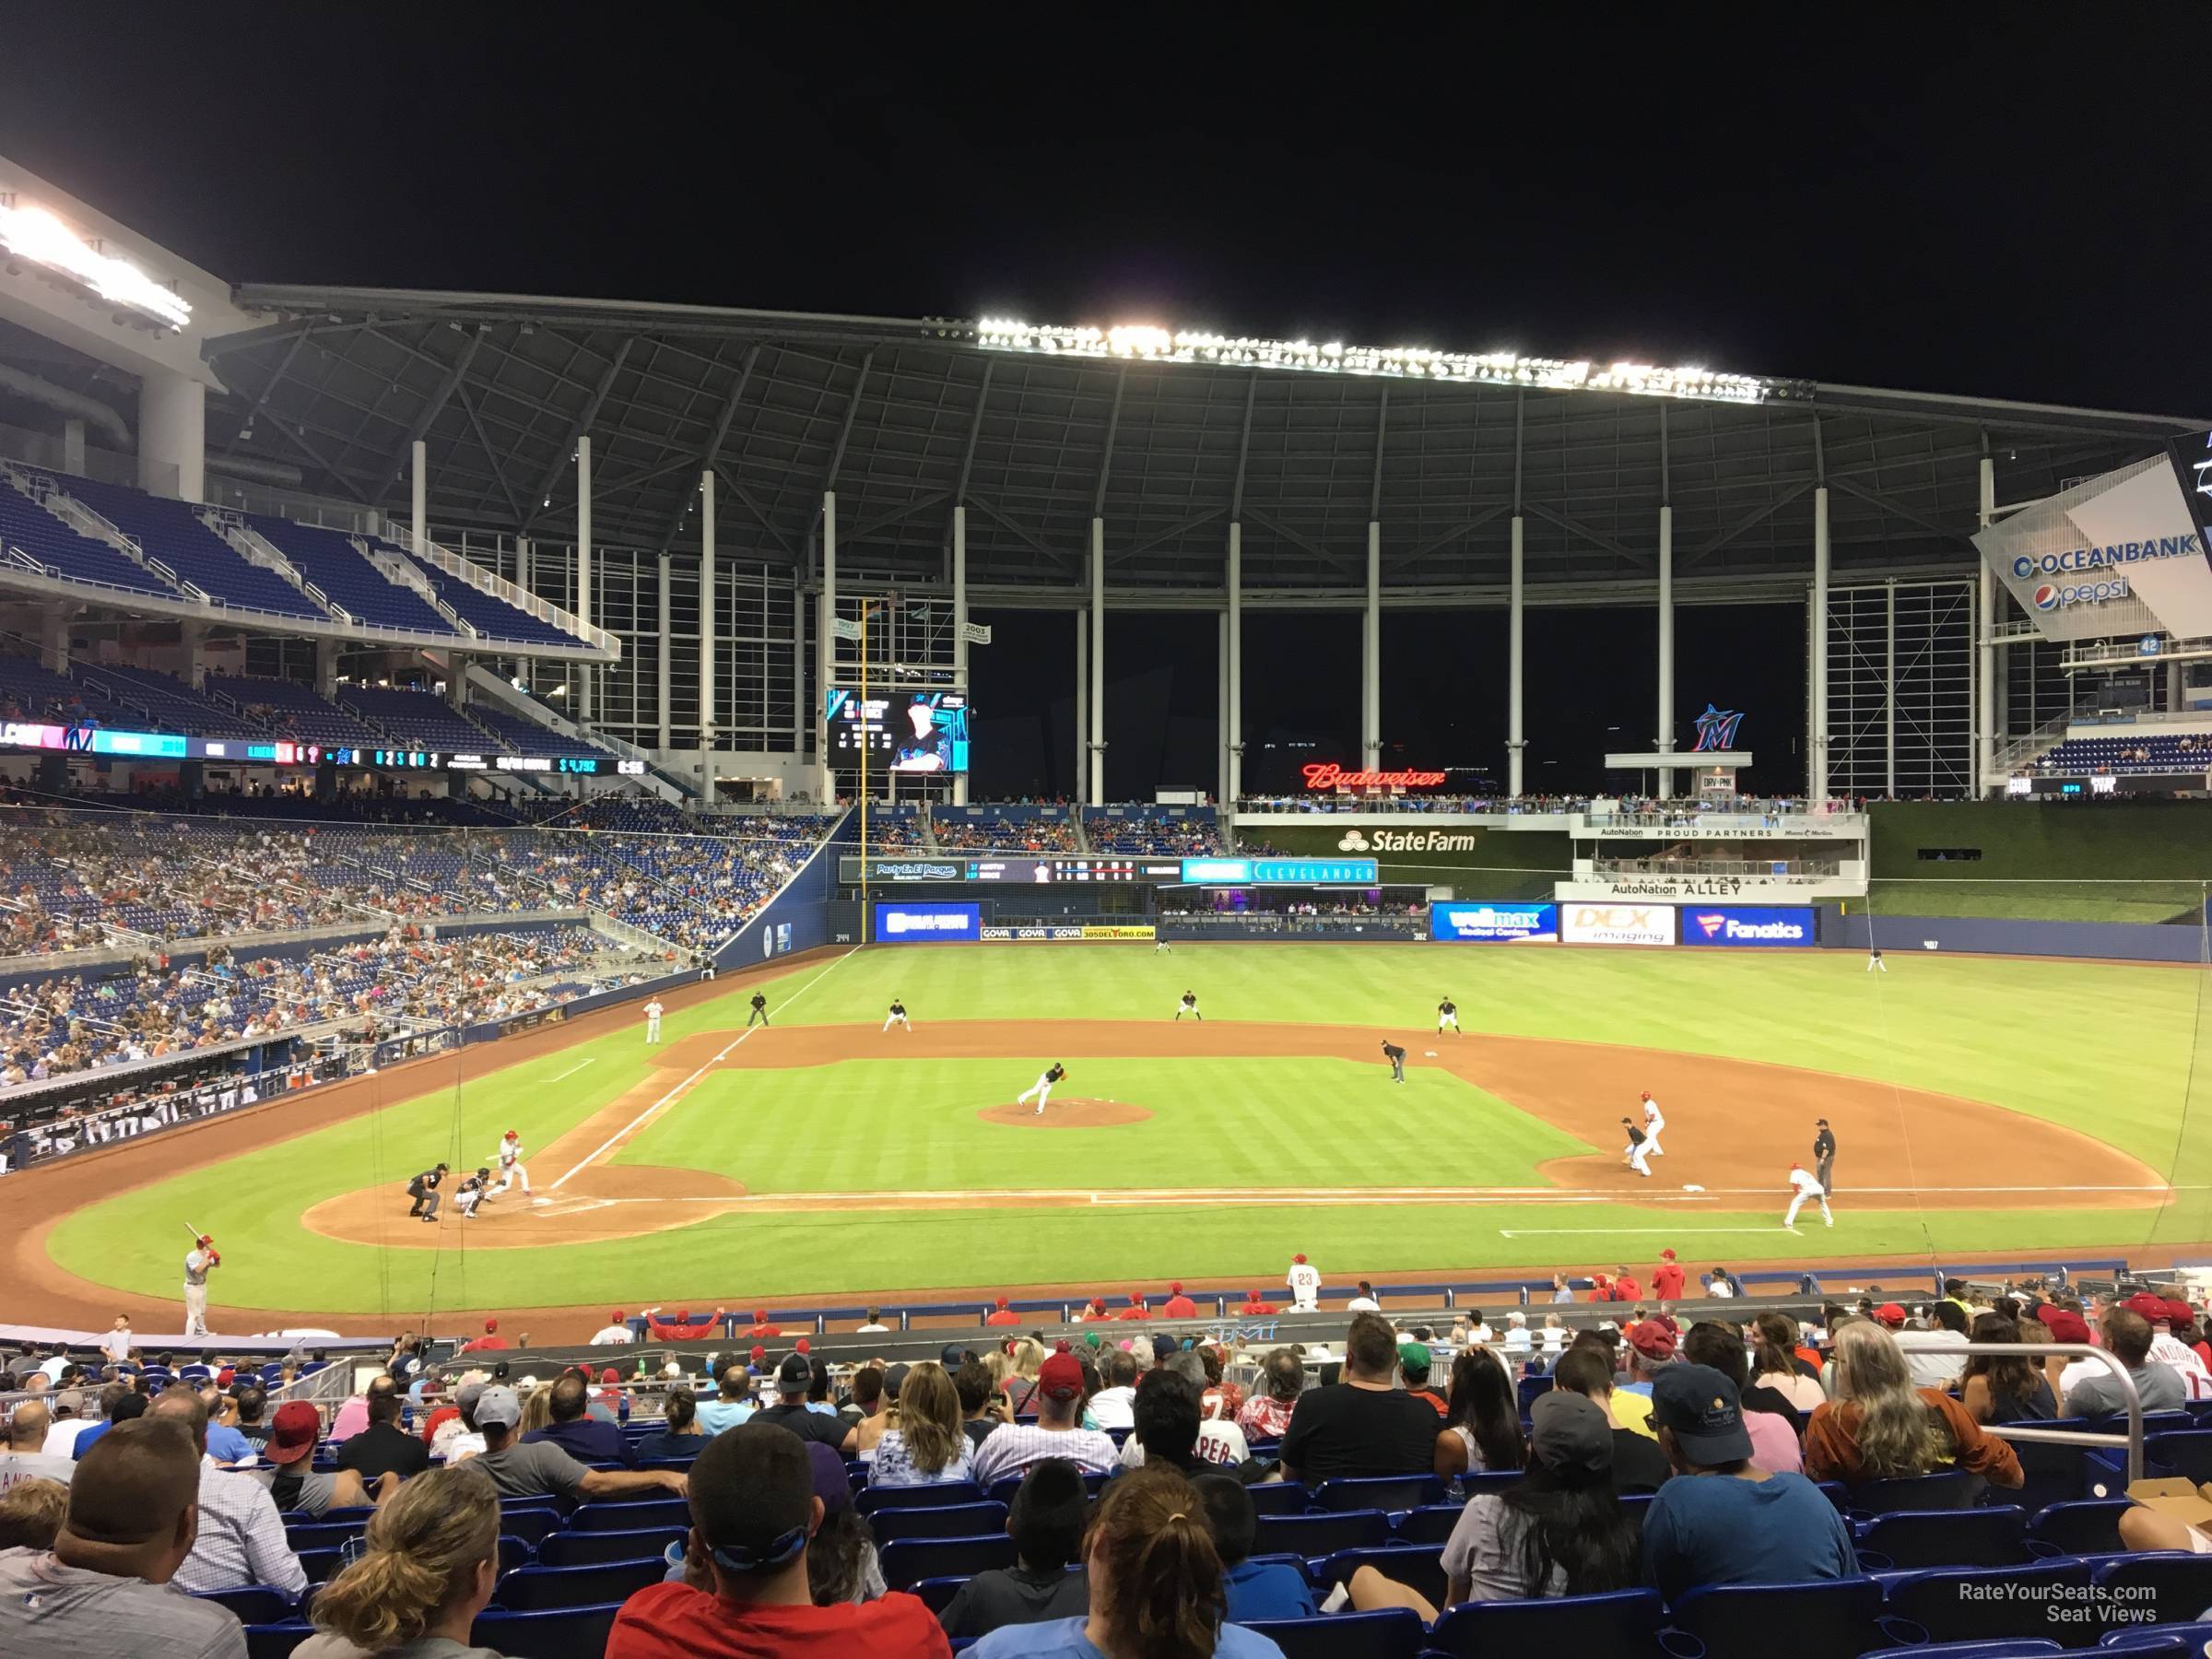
pixel 1906 936
pixel 798 918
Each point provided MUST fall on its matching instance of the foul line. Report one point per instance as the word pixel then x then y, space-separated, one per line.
pixel 1633 1232
pixel 684 1088
pixel 571 1071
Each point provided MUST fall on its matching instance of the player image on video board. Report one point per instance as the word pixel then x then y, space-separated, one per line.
pixel 919 730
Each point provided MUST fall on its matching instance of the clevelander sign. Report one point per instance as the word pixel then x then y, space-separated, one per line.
pixel 1616 923
pixel 1765 924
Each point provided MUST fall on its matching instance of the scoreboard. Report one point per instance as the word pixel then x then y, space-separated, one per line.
pixel 1166 872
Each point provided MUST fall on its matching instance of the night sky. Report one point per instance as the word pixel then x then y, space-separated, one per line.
pixel 2005 204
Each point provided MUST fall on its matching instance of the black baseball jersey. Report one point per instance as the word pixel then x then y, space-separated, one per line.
pixel 899 1009
pixel 1055 1074
pixel 1636 1136
pixel 759 1000
pixel 1824 1145
pixel 472 1184
pixel 1189 999
pixel 1391 1051
pixel 422 1183
pixel 1447 1006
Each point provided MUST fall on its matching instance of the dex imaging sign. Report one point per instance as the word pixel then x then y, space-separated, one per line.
pixel 1616 923
pixel 1787 925
pixel 1478 923
pixel 928 924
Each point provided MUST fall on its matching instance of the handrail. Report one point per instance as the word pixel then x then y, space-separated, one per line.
pixel 2132 1439
pixel 494 586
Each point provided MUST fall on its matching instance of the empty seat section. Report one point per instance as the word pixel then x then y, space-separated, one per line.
pixel 53 547
pixel 287 709
pixel 329 560
pixel 172 533
pixel 419 719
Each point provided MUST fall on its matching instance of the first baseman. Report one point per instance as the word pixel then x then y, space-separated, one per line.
pixel 1638 1147
pixel 512 1169
pixel 896 1017
pixel 1041 1091
pixel 1805 1184
pixel 1189 1005
pixel 1653 1120
pixel 1447 1014
pixel 197 1262
pixel 652 1020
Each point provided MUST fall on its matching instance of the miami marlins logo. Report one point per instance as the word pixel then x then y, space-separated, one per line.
pixel 1716 729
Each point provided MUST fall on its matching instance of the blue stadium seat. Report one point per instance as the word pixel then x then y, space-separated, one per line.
pixel 591 1548
pixel 920 1497
pixel 628 1517
pixel 948 1520
pixel 1914 1538
pixel 528 1525
pixel 1418 1567
pixel 1393 1633
pixel 1002 1492
pixel 2052 1474
pixel 937 1594
pixel 1623 1621
pixel 1431 1524
pixel 543 1589
pixel 910 1560
pixel 277 1641
pixel 2020 1647
pixel 1828 1618
pixel 2168 1641
pixel 1381 1492
pixel 320 1535
pixel 1965 1603
pixel 253 1604
pixel 1321 1535
pixel 562 1633
pixel 1529 1388
pixel 1490 1480
pixel 320 1565
pixel 2177 1583
pixel 2188 1454
pixel 1953 1489
pixel 2087 1527
pixel 1281 1498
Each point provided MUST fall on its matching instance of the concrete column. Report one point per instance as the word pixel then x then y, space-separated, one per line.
pixel 456 682
pixel 1082 704
pixel 2175 691
pixel 825 644
pixel 1236 662
pixel 418 484
pixel 1221 711
pixel 959 628
pixel 172 432
pixel 708 725
pixel 1666 647
pixel 54 637
pixel 585 676
pixel 1371 656
pixel 1889 697
pixel 799 726
pixel 1098 662
pixel 1986 624
pixel 1516 738
pixel 1817 714
pixel 663 666
pixel 525 565
pixel 326 667
pixel 194 638
pixel 73 446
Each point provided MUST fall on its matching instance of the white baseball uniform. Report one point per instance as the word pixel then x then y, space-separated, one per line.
pixel 896 1017
pixel 1807 1186
pixel 196 1264
pixel 1653 1120
pixel 512 1167
pixel 467 1195
pixel 1447 1014
pixel 1040 1092
pixel 652 1020
pixel 1304 1280
pixel 1189 1005
pixel 1639 1150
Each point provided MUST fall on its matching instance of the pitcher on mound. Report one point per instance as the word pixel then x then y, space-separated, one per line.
pixel 1041 1091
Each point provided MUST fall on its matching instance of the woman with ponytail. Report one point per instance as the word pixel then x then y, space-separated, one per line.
pixel 431 1563
pixel 1156 1584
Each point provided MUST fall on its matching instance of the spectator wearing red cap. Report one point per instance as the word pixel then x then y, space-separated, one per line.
pixel 1601 1288
pixel 1625 1287
pixel 1651 1347
pixel 1137 1308
pixel 1001 1315
pixel 2088 1387
pixel 1178 1305
pixel 491 1342
pixel 1058 1431
pixel 291 1483
pixel 616 1330
pixel 762 1329
pixel 1254 1308
pixel 2167 1348
pixel 1093 1309
pixel 611 1404
pixel 683 1327
pixel 1666 1278
pixel 1304 1280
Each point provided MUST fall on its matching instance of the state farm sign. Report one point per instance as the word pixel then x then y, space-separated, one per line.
pixel 1616 923
pixel 1407 840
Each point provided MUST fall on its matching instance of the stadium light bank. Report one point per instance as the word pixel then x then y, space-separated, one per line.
pixel 1145 343
pixel 36 237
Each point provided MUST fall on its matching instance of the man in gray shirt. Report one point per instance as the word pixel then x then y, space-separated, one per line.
pixel 23 1460
pixel 539 1468
pixel 2127 1338
pixel 102 1591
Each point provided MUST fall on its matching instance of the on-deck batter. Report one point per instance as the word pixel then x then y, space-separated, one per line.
pixel 197 1262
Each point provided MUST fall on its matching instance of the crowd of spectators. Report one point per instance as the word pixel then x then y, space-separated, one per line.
pixel 1041 835
pixel 1152 835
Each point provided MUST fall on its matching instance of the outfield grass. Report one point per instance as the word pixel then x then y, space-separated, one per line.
pixel 2109 1049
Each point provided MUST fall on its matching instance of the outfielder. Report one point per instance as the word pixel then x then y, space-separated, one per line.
pixel 1653 1120
pixel 1189 1005
pixel 470 1193
pixel 896 1017
pixel 1396 1057
pixel 1447 1014
pixel 512 1167
pixel 1041 1091
pixel 1638 1147
pixel 1805 1184
pixel 652 1020
pixel 1874 962
pixel 198 1262
pixel 423 1189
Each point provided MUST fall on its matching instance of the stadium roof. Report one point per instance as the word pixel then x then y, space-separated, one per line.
pixel 905 416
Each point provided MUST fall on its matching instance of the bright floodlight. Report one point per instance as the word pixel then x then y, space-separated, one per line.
pixel 35 235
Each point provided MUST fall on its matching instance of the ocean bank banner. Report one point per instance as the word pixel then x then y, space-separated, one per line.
pixel 1473 922
pixel 1616 923
pixel 1767 924
pixel 2119 555
pixel 928 924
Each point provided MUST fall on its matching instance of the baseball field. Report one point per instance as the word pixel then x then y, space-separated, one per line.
pixel 1982 1107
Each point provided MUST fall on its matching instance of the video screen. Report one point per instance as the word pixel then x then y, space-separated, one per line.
pixel 902 731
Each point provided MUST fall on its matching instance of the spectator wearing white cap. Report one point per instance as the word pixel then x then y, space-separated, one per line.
pixel 538 1468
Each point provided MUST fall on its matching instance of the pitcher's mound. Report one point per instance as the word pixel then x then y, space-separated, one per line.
pixel 1077 1114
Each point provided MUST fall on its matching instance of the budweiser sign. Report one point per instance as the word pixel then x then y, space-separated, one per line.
pixel 1327 774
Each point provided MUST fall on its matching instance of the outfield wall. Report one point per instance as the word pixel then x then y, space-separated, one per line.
pixel 2123 941
pixel 798 918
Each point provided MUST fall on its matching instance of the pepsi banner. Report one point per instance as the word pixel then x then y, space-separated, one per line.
pixel 1788 926
pixel 928 924
pixel 1472 922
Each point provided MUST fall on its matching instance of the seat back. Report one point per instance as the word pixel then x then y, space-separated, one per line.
pixel 1431 1523
pixel 1002 1491
pixel 1620 1621
pixel 2175 1583
pixel 949 1521
pixel 560 1634
pixel 1953 1489
pixel 1379 1492
pixel 1280 1498
pixel 1320 1535
pixel 2020 1647
pixel 1826 1619
pixel 2085 1526
pixel 593 1548
pixel 630 1517
pixel 277 1641
pixel 910 1560
pixel 2188 1452
pixel 1964 1604
pixel 2050 1473
pixel 918 1497
pixel 1914 1538
pixel 1419 1567
pixel 253 1604
pixel 319 1536
pixel 541 1589
pixel 1392 1633
pixel 528 1525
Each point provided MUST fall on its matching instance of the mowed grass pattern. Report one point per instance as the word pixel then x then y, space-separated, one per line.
pixel 2109 1049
